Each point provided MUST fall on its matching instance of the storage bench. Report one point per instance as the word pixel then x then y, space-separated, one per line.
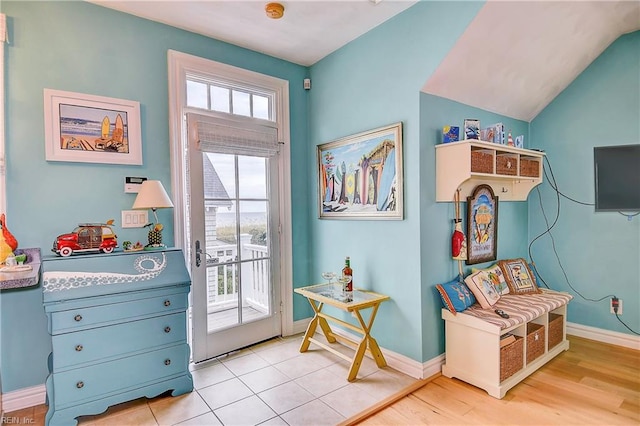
pixel 473 340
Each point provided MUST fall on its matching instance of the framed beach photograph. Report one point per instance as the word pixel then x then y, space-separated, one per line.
pixel 482 225
pixel 360 176
pixel 91 129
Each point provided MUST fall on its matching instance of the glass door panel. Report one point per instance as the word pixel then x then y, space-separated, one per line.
pixel 235 202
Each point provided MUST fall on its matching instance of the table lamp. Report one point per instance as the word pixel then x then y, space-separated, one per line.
pixel 153 196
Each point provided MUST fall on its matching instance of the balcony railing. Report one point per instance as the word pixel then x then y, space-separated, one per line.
pixel 222 277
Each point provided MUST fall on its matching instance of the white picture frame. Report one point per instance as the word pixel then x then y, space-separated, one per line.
pixel 91 129
pixel 360 176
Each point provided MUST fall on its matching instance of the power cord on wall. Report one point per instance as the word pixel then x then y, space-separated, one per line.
pixel 552 182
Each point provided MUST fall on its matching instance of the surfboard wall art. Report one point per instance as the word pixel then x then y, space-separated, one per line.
pixel 91 129
pixel 360 176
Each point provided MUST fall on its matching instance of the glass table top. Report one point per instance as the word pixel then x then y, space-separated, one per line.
pixel 335 292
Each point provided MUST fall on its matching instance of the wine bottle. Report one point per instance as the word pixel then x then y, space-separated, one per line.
pixel 348 272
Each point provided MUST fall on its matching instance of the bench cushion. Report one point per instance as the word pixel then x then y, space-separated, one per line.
pixel 521 308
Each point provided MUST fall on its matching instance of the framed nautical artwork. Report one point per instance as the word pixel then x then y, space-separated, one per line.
pixel 482 225
pixel 91 129
pixel 360 176
pixel 471 128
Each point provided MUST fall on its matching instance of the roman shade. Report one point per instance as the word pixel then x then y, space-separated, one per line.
pixel 258 138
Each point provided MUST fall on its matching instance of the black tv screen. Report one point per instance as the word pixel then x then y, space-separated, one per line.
pixel 617 175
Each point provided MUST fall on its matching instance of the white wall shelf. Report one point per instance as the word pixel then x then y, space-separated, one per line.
pixel 511 172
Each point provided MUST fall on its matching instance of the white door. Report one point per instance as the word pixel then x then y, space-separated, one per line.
pixel 233 204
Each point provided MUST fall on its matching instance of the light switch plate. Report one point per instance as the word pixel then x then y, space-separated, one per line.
pixel 134 218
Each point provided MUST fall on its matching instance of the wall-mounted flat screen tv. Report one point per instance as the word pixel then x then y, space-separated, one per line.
pixel 617 175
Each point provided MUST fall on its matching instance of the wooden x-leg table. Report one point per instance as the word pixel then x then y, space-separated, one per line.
pixel 332 294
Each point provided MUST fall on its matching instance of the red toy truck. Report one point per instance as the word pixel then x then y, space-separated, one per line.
pixel 86 238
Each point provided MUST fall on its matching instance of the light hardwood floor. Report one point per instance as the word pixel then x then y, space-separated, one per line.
pixel 592 383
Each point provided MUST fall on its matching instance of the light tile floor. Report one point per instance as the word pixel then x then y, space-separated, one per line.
pixel 271 383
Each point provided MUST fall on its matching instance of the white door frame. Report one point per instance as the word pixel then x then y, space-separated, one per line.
pixel 179 64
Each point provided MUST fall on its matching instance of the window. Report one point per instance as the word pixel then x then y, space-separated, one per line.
pixel 214 96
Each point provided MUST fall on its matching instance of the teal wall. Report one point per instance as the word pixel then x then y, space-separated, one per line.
pixel 372 82
pixel 81 47
pixel 598 251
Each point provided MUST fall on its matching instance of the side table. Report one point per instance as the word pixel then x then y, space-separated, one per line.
pixel 354 302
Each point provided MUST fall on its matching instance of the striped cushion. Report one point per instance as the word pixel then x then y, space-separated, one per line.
pixel 521 308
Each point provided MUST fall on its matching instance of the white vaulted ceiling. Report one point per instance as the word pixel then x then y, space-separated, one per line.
pixel 513 59
pixel 516 57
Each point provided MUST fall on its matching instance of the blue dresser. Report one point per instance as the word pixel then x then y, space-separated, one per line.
pixel 118 328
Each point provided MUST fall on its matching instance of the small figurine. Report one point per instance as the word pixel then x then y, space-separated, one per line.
pixel 510 140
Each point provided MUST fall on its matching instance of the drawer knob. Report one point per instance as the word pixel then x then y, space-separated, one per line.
pixel 167 303
pixel 78 317
pixel 78 348
pixel 79 385
pixel 167 329
pixel 167 361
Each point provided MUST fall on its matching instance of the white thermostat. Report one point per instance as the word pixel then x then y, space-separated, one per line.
pixel 132 184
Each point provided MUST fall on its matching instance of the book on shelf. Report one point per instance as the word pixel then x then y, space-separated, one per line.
pixel 507 339
pixel 495 133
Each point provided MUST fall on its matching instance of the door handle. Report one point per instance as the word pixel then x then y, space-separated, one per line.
pixel 198 253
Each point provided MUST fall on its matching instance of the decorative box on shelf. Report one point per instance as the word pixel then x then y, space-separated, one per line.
pixel 511 358
pixel 511 172
pixel 118 328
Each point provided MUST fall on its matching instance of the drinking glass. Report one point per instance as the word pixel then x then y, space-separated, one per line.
pixel 328 276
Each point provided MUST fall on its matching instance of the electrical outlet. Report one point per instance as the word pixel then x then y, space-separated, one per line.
pixel 614 301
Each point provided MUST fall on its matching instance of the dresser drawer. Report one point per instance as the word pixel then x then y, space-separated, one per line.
pixel 82 318
pixel 96 381
pixel 74 349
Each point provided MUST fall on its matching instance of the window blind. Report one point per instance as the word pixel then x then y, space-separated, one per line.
pixel 223 136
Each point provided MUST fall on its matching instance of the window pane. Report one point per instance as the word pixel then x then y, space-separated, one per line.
pixel 241 103
pixel 261 107
pixel 219 99
pixel 197 95
pixel 253 228
pixel 220 175
pixel 252 177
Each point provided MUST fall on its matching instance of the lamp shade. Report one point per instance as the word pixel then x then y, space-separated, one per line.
pixel 152 196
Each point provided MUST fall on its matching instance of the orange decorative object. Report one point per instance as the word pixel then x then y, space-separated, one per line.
pixel 8 237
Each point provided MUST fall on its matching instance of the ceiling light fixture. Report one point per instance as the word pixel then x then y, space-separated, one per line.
pixel 274 10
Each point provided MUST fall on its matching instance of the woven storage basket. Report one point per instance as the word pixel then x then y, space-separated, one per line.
pixel 507 165
pixel 556 324
pixel 535 341
pixel 481 161
pixel 529 168
pixel 511 357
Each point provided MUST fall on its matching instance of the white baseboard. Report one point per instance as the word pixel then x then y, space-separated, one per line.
pixel 23 398
pixel 36 395
pixel 399 362
pixel 300 326
pixel 604 336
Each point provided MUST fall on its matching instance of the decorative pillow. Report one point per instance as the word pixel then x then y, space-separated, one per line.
pixel 455 295
pixel 519 277
pixel 497 277
pixel 482 287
